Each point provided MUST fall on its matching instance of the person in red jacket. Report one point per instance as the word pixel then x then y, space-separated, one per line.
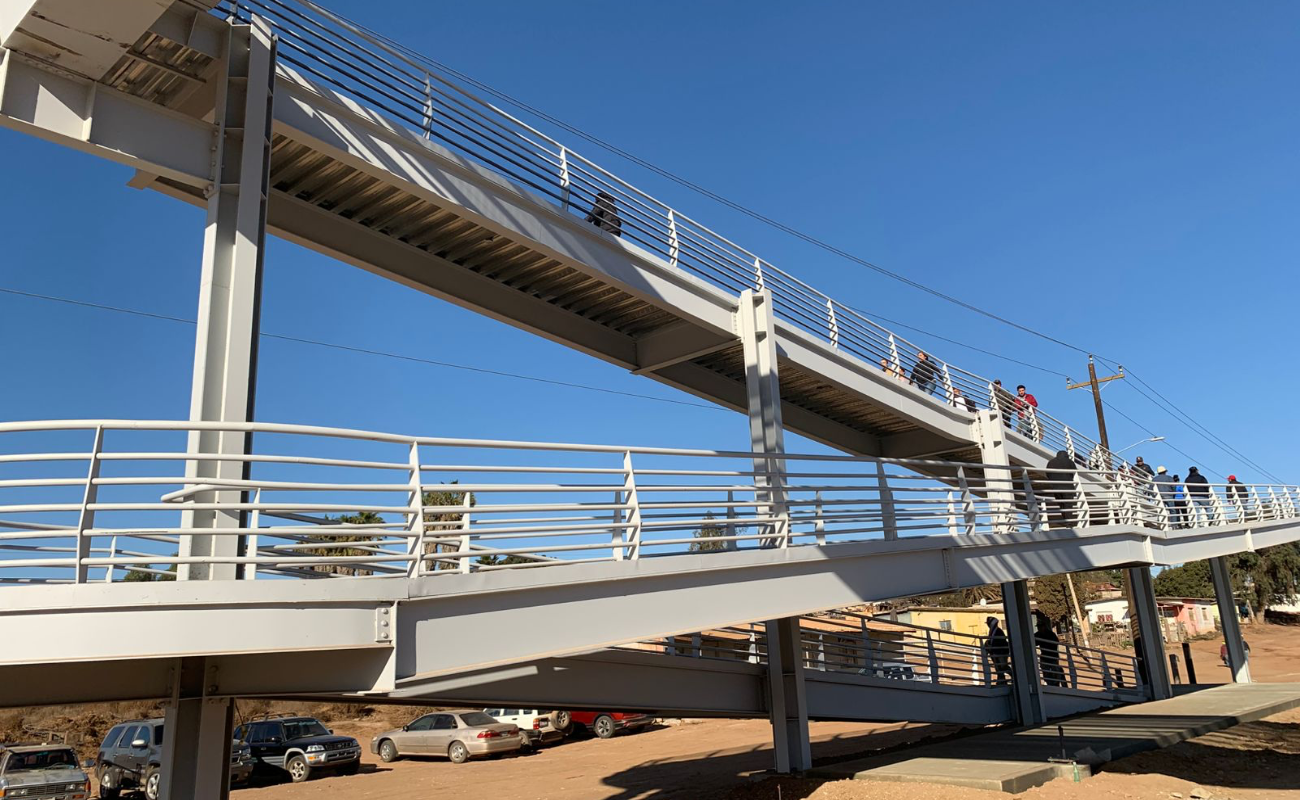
pixel 1028 421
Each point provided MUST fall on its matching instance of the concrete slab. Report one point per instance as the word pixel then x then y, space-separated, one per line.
pixel 1013 760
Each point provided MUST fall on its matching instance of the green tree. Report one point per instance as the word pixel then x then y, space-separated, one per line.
pixel 442 528
pixel 1052 595
pixel 492 560
pixel 706 537
pixel 1188 580
pixel 140 576
pixel 360 518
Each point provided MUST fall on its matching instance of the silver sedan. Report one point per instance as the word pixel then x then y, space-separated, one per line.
pixel 457 735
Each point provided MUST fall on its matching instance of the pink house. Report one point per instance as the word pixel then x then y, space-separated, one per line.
pixel 1184 617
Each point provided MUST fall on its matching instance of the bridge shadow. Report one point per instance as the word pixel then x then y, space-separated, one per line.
pixel 1259 755
pixel 715 773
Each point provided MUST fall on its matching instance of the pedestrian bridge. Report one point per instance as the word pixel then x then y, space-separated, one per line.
pixel 222 556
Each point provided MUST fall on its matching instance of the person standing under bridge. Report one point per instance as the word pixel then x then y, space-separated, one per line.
pixel 998 649
pixel 1049 650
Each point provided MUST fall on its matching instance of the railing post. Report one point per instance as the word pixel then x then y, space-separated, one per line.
pixel 616 540
pixel 426 122
pixel 634 513
pixel 760 285
pixel 1031 503
pixel 696 649
pixel 1073 670
pixel 564 178
pixel 1082 514
pixel 86 517
pixel 1069 442
pixel 415 527
pixel 893 354
pixel 888 512
pixel 254 522
pixel 932 656
pixel 466 562
pixel 832 325
pixel 731 544
pixel 821 652
pixel 968 517
pixel 819 524
pixel 753 646
pixel 1220 510
pixel 1274 508
pixel 994 405
pixel 947 387
pixel 674 249
pixel 952 514
pixel 1105 673
pixel 984 662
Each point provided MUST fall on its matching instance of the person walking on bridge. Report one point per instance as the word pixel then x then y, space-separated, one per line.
pixel 1026 413
pixel 1144 468
pixel 1005 402
pixel 1165 486
pixel 998 648
pixel 604 214
pixel 1198 491
pixel 1238 494
pixel 1060 490
pixel 924 373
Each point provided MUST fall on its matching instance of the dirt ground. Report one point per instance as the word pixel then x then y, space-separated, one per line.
pixel 725 759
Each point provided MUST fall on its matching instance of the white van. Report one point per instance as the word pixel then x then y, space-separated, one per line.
pixel 538 727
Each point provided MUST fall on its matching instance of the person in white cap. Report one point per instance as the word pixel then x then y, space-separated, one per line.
pixel 1165 485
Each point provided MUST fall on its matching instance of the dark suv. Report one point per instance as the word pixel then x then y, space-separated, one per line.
pixel 130 757
pixel 299 746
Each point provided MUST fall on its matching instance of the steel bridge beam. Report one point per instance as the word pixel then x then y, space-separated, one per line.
pixel 230 287
pixel 1230 618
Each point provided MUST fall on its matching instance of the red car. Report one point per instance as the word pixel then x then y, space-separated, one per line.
pixel 607 723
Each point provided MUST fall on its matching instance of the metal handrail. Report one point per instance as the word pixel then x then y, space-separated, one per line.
pixel 545 503
pixel 319 46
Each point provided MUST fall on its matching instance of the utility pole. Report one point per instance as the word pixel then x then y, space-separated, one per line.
pixel 1094 383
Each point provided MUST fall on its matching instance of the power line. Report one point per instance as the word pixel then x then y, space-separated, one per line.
pixel 366 351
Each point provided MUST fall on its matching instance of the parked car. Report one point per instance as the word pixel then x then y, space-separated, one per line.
pixel 47 771
pixel 538 727
pixel 607 723
pixel 300 746
pixel 130 757
pixel 459 735
pixel 895 670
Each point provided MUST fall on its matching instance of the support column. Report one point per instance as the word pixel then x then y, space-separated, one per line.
pixel 1230 619
pixel 787 703
pixel 196 736
pixel 1026 683
pixel 1146 616
pixel 757 327
pixel 225 352
pixel 999 485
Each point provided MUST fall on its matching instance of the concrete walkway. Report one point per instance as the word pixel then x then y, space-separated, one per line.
pixel 1013 760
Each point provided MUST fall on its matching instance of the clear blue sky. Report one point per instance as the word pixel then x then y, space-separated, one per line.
pixel 1121 177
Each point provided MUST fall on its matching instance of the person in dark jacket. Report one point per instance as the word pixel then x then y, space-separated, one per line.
pixel 924 373
pixel 1060 490
pixel 1238 494
pixel 1049 650
pixel 999 652
pixel 604 214
pixel 1198 493
pixel 1144 467
pixel 1005 401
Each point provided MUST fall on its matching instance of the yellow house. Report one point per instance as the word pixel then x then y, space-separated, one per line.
pixel 968 620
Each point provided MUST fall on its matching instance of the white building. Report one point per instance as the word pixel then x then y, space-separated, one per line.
pixel 1112 611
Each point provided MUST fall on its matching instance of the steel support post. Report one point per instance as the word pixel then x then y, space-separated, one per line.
pixel 757 327
pixel 225 352
pixel 1151 648
pixel 196 736
pixel 999 484
pixel 1026 684
pixel 1230 619
pixel 787 703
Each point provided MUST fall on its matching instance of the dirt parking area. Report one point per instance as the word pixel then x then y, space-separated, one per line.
pixel 725 759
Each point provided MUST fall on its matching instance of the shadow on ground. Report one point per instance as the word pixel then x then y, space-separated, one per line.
pixel 1255 755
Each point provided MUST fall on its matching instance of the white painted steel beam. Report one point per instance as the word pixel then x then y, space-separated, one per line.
pixel 230 287
pixel 85 116
pixel 1026 680
pixel 1230 619
pixel 1151 648
pixel 86 38
pixel 675 344
pixel 196 735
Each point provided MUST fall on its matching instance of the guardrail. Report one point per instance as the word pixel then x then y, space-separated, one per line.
pixel 111 500
pixel 858 644
pixel 320 47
